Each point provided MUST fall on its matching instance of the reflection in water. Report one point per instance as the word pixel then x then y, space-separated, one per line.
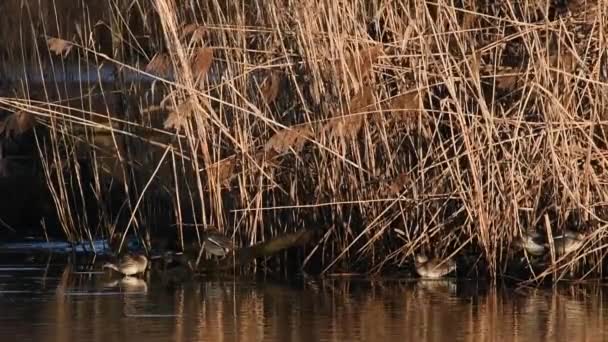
pixel 53 300
pixel 129 284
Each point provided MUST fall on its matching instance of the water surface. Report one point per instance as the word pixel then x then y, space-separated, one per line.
pixel 56 298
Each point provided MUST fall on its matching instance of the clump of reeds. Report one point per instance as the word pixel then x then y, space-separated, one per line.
pixel 388 128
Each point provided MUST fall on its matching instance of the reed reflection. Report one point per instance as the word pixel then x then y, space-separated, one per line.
pixel 69 301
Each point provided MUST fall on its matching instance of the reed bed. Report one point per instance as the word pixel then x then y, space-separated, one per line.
pixel 388 128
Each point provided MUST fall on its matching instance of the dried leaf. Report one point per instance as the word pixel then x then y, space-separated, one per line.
pixel 362 62
pixel 362 101
pixel 350 125
pixel 398 183
pixel 405 107
pixel 197 31
pixel 160 65
pixel 178 117
pixel 59 46
pixel 564 61
pixel 469 21
pixel 357 67
pixel 17 124
pixel 505 81
pixel 201 62
pixel 223 170
pixel 289 137
pixel 270 88
pixel 501 77
pixel 344 126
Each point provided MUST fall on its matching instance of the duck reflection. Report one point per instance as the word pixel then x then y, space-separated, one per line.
pixel 129 284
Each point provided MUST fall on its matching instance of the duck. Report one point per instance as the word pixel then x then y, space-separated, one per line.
pixel 433 268
pixel 216 243
pixel 129 265
pixel 532 243
pixel 568 242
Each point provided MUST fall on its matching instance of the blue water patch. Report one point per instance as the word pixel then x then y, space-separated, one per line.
pixel 97 246
pixel 57 246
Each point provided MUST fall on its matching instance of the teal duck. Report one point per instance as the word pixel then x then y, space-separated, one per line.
pixel 568 242
pixel 533 243
pixel 433 268
pixel 216 243
pixel 129 265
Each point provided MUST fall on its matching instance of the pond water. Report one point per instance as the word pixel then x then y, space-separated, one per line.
pixel 52 298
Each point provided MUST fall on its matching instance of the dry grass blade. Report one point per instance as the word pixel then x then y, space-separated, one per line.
pixel 59 46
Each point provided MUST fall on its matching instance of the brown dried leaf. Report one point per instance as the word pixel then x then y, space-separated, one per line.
pixel 270 88
pixel 59 46
pixel 289 137
pixel 358 66
pixel 223 170
pixel 469 21
pixel 350 125
pixel 501 77
pixel 17 123
pixel 201 62
pixel 362 101
pixel 399 183
pixel 362 62
pixel 564 61
pixel 505 81
pixel 405 107
pixel 178 117
pixel 197 31
pixel 345 127
pixel 160 65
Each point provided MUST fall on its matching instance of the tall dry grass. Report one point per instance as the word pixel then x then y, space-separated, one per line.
pixel 389 127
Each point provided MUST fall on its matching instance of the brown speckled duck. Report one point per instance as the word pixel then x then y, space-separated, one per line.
pixel 568 242
pixel 532 242
pixel 434 268
pixel 217 243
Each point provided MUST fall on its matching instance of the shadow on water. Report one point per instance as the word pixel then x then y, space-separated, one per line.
pixel 59 297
